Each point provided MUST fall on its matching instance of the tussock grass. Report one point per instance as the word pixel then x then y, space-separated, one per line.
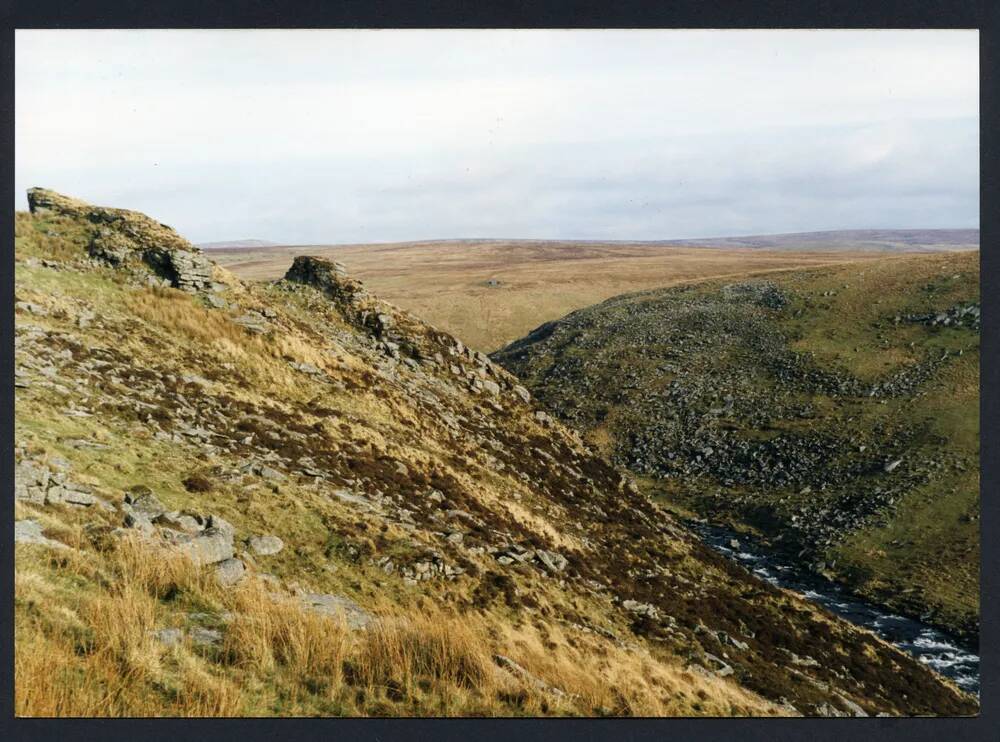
pixel 611 680
pixel 424 646
pixel 176 311
pixel 269 631
pixel 93 651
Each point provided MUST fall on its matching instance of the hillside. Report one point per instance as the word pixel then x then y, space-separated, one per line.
pixel 833 412
pixel 491 292
pixel 292 498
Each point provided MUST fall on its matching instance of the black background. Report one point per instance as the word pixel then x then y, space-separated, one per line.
pixel 974 14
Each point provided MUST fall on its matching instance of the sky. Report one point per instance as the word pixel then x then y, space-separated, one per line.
pixel 322 137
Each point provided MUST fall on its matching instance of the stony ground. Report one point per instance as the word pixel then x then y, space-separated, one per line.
pixel 294 498
pixel 835 411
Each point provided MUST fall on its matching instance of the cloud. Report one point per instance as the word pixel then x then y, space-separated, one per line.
pixel 341 136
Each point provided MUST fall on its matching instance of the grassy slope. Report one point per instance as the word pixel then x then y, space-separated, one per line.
pixel 922 558
pixel 927 556
pixel 83 618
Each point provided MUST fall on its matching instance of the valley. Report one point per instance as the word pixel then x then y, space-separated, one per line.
pixel 491 292
pixel 287 498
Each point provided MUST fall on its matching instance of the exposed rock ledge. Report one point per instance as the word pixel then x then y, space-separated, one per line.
pixel 122 237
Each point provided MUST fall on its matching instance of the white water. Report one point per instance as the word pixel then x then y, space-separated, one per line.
pixel 936 649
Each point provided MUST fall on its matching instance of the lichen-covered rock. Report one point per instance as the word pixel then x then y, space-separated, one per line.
pixel 553 561
pixel 230 571
pixel 266 545
pixel 181 521
pixel 338 606
pixel 222 525
pixel 30 532
pixel 30 482
pixel 208 547
pixel 143 503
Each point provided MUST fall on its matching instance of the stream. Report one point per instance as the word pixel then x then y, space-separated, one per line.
pixel 936 649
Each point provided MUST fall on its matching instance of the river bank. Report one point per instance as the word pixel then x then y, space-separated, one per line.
pixel 947 655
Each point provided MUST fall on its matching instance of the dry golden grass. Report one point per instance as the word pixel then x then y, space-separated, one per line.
pixel 173 310
pixel 268 631
pixel 263 361
pixel 426 645
pixel 445 283
pixel 92 651
pixel 613 680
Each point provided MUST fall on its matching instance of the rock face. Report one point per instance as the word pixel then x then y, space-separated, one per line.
pixel 326 275
pixel 121 237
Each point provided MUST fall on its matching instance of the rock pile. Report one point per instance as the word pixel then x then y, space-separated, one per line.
pixel 961 315
pixel 51 484
pixel 205 540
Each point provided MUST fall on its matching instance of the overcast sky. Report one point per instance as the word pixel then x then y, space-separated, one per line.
pixel 356 136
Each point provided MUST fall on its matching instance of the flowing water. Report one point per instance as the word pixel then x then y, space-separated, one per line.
pixel 936 649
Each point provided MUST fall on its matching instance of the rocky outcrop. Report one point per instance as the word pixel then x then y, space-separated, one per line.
pixel 121 238
pixel 51 484
pixel 204 540
pixel 398 334
pixel 326 275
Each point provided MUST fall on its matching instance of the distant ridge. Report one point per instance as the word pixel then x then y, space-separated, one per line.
pixel 862 240
pixel 236 243
pixel 887 240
